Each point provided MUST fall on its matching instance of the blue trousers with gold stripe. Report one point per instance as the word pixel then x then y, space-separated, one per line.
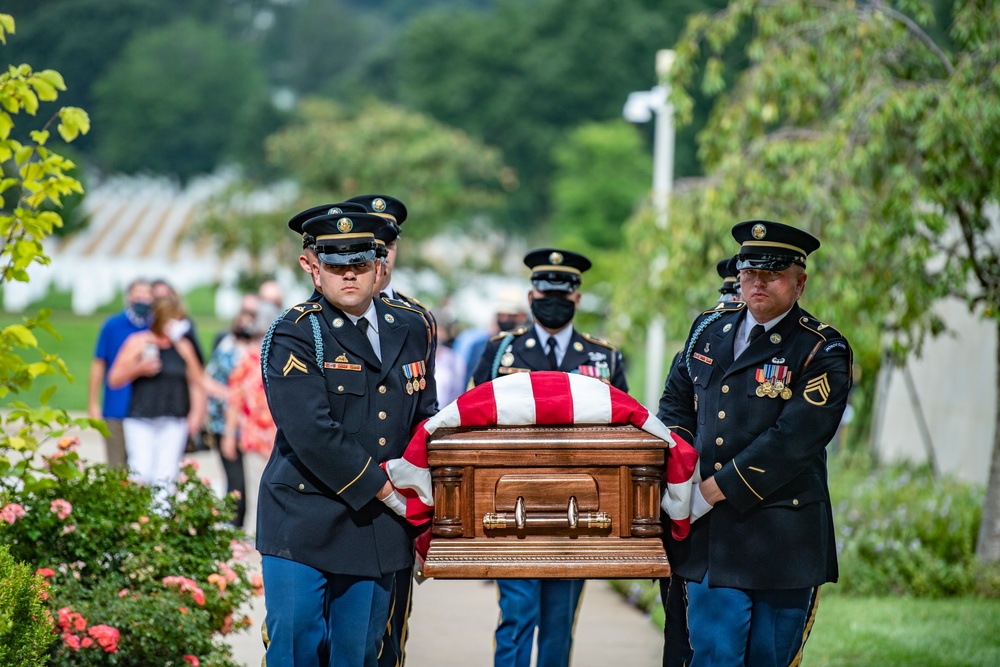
pixel 731 627
pixel 550 605
pixel 320 619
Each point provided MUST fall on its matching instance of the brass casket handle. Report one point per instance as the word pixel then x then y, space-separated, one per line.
pixel 523 519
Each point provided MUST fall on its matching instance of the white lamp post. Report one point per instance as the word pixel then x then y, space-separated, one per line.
pixel 639 108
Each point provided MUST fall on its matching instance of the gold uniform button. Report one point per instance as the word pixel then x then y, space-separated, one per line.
pixel 340 387
pixel 718 441
pixel 302 487
pixel 381 389
pixel 382 415
pixel 795 502
pixel 381 441
pixel 722 414
pixel 718 466
pixel 725 389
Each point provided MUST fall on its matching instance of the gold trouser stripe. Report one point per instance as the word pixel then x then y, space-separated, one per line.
pixel 810 619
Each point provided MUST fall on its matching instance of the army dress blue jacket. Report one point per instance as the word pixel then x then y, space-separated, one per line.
pixel 522 353
pixel 765 443
pixel 336 424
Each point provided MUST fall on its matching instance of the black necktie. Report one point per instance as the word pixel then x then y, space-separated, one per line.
pixel 552 354
pixel 363 325
pixel 757 330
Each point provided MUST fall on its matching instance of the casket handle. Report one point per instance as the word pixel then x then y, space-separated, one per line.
pixel 522 519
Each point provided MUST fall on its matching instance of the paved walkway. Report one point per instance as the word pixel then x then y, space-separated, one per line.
pixel 452 621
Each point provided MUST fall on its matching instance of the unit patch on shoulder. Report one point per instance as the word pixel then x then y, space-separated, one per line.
pixel 837 344
pixel 293 364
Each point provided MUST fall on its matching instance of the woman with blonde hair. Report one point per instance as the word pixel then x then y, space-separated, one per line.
pixel 168 400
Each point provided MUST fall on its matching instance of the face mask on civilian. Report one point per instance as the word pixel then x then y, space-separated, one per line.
pixel 553 312
pixel 175 329
pixel 138 313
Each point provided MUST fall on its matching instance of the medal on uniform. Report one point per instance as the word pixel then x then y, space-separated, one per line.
pixel 774 380
pixel 408 372
pixel 423 375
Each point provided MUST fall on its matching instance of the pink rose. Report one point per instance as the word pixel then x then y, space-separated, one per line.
pixel 45 572
pixel 72 641
pixel 11 512
pixel 61 508
pixel 106 636
pixel 191 660
pixel 68 443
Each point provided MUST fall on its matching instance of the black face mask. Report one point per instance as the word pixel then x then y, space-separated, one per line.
pixel 507 323
pixel 243 333
pixel 140 314
pixel 553 312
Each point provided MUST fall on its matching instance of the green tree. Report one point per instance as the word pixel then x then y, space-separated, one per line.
pixel 518 76
pixel 169 104
pixel 854 123
pixel 602 174
pixel 446 178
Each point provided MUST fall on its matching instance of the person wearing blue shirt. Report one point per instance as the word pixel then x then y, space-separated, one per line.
pixel 105 403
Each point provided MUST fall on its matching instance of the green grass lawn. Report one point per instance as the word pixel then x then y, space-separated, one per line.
pixel 78 336
pixel 890 631
pixel 857 632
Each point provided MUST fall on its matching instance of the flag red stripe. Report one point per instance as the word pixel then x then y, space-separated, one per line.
pixel 550 392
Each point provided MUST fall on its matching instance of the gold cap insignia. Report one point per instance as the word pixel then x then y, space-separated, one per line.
pixel 345 225
pixel 336 210
pixel 556 258
pixel 378 204
pixel 759 231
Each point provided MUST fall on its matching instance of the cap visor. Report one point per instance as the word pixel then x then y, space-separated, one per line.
pixel 346 258
pixel 553 286
pixel 764 263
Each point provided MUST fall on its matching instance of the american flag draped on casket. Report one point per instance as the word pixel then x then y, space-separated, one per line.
pixel 542 398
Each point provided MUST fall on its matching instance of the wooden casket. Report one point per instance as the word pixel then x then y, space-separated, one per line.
pixel 546 502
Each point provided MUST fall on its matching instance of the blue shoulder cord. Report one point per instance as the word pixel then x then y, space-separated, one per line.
pixel 504 344
pixel 697 333
pixel 265 347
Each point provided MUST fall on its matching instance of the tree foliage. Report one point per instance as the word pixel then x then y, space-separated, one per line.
pixel 168 106
pixel 851 122
pixel 521 75
pixel 442 174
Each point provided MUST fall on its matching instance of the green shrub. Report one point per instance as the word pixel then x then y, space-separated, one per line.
pixel 25 623
pixel 130 583
pixel 900 531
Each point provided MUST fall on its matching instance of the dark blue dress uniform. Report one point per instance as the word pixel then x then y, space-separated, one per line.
pixel 760 424
pixel 519 351
pixel 549 604
pixel 340 412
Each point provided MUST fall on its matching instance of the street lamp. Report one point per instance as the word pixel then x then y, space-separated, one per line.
pixel 640 107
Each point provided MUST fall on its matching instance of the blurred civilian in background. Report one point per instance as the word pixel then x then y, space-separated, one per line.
pixel 167 405
pixel 249 428
pixel 112 404
pixel 230 348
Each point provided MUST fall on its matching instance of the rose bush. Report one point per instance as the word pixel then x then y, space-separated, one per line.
pixel 129 582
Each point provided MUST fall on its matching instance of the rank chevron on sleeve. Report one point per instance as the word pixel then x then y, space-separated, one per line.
pixel 293 364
